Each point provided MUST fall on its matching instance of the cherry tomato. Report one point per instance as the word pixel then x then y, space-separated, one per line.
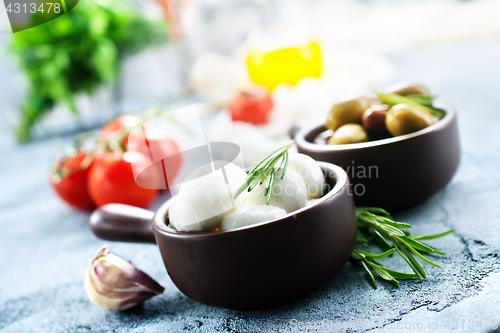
pixel 251 106
pixel 69 180
pixel 111 179
pixel 120 126
pixel 161 147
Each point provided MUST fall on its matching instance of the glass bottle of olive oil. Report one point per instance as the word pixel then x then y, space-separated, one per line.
pixel 286 62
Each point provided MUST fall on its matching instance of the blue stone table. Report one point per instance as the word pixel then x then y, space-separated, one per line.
pixel 45 247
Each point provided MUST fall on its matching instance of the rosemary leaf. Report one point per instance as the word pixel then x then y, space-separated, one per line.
pixel 375 210
pixel 389 221
pixel 382 238
pixel 255 182
pixel 286 165
pixel 392 231
pixel 432 236
pixel 380 270
pixel 413 261
pixel 370 274
pixel 376 256
pixel 269 189
pixel 410 263
pixel 361 239
pixel 421 246
pixel 401 275
pixel 418 254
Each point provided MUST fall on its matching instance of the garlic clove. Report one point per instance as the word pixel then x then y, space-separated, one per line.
pixel 115 284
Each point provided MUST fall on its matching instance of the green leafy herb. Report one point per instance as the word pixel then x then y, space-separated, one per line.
pixel 264 170
pixel 422 103
pixel 376 225
pixel 76 53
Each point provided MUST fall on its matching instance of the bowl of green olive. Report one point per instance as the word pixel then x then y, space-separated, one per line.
pixel 399 148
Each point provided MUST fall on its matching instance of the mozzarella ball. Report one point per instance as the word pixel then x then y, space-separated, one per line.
pixel 236 176
pixel 289 193
pixel 250 215
pixel 310 172
pixel 203 201
pixel 311 202
pixel 172 216
pixel 205 225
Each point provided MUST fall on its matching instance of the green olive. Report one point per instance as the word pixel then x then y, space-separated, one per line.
pixel 349 133
pixel 347 111
pixel 403 119
pixel 409 88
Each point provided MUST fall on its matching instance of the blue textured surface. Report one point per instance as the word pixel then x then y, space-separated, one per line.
pixel 45 246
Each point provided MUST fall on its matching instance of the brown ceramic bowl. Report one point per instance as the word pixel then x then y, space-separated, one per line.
pixel 251 267
pixel 397 172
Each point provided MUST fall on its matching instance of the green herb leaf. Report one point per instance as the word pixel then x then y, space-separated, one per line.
pixel 370 274
pixel 421 99
pixel 432 236
pixel 361 239
pixel 401 275
pixel 384 274
pixel 421 246
pixel 393 99
pixel 264 170
pixel 375 210
pixel 418 254
pixel 376 256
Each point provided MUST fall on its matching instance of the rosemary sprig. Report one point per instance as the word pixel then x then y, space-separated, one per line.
pixel 422 103
pixel 263 171
pixel 375 224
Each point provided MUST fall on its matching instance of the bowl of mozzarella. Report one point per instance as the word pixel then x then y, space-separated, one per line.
pixel 257 255
pixel 246 253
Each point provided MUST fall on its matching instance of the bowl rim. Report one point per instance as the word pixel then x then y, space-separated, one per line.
pixel 300 137
pixel 159 225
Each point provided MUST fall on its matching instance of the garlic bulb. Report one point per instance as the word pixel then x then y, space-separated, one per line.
pixel 289 193
pixel 115 284
pixel 310 172
pixel 250 215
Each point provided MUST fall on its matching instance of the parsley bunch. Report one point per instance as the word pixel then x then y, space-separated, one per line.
pixel 76 53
